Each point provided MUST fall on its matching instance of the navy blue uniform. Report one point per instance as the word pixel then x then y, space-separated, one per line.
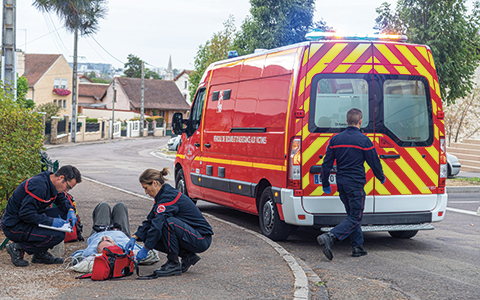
pixel 175 225
pixel 351 149
pixel 30 205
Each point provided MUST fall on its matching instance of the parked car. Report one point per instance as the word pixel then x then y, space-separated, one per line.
pixel 174 143
pixel 453 165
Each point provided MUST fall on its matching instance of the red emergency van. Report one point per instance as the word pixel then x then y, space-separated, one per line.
pixel 260 124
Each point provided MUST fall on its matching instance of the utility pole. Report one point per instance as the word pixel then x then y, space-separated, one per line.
pixel 142 115
pixel 73 123
pixel 9 66
pixel 113 104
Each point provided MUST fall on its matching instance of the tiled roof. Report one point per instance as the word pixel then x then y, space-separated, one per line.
pixel 159 94
pixel 181 73
pixel 94 90
pixel 36 65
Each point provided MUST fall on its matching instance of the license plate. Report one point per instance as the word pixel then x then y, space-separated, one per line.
pixel 332 179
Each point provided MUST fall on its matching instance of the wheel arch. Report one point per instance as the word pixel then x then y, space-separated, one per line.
pixel 262 185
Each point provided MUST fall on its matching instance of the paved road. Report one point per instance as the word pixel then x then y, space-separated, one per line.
pixel 439 264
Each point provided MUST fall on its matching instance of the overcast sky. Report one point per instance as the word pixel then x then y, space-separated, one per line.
pixel 155 29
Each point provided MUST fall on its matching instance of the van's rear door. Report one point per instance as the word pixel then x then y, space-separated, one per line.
pixel 406 138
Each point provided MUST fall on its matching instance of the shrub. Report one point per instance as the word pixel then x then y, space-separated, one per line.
pixel 50 109
pixel 21 140
pixel 91 120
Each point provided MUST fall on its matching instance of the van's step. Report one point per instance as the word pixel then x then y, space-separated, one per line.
pixel 409 227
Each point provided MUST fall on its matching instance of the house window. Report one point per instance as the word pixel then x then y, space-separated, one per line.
pixel 185 96
pixel 64 103
pixel 161 113
pixel 55 102
pixel 64 83
pixel 56 83
pixel 186 83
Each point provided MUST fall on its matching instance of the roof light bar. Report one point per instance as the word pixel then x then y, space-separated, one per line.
pixel 320 35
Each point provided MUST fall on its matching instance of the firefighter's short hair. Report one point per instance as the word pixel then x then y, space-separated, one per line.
pixel 354 116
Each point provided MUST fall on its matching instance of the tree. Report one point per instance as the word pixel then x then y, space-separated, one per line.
pixel 21 139
pixel 274 23
pixel 461 118
pixel 213 50
pixel 22 90
pixel 79 16
pixel 133 68
pixel 451 33
pixel 50 110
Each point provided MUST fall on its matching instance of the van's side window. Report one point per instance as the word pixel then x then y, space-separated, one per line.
pixel 197 108
pixel 406 111
pixel 333 96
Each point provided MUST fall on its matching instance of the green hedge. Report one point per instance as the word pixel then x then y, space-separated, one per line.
pixel 91 120
pixel 21 140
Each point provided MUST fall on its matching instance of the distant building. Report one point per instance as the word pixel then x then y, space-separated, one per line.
pixel 169 72
pixel 162 97
pixel 90 95
pixel 183 83
pixel 100 69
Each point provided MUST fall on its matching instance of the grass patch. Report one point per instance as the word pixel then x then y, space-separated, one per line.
pixel 464 181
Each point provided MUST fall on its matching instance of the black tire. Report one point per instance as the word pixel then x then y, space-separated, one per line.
pixel 403 234
pixel 270 223
pixel 181 185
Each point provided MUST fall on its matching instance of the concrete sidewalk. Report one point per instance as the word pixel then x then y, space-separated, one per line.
pixel 238 265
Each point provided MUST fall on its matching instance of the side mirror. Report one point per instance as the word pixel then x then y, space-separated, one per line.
pixel 178 124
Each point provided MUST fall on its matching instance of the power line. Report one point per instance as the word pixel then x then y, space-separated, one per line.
pixel 56 33
pixel 106 50
pixel 95 50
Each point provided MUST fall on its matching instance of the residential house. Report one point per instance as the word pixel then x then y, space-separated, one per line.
pixel 183 84
pixel 49 78
pixel 161 97
pixel 90 95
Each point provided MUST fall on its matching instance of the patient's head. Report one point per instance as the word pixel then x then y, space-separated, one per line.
pixel 105 242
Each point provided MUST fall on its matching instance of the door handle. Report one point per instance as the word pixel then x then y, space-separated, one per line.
pixel 207 145
pixel 386 156
pixel 197 144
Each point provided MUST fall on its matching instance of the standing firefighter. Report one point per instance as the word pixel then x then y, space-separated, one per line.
pixel 350 149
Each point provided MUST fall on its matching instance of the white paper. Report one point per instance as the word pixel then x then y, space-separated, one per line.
pixel 65 228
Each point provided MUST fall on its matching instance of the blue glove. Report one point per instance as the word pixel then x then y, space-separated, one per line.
pixel 383 181
pixel 58 222
pixel 327 190
pixel 131 243
pixel 142 254
pixel 71 216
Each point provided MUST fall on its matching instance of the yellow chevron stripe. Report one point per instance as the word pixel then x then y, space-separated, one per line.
pixel 305 57
pixel 417 181
pixel 305 132
pixel 422 163
pixel 325 60
pixel 306 105
pixel 423 51
pixel 381 69
pixel 365 69
pixel 301 88
pixel 392 59
pixel 393 178
pixel 300 134
pixel 437 89
pixel 434 153
pixel 306 180
pixel 181 156
pixel 369 186
pixel 436 132
pixel 317 144
pixel 314 48
pixel 356 53
pixel 434 107
pixel 341 68
pixel 380 188
pixel 376 61
pixel 415 62
pixel 402 70
pixel 430 59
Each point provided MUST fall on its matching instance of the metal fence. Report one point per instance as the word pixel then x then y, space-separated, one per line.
pixel 92 127
pixel 62 126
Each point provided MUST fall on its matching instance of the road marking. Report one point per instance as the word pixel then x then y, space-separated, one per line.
pixel 462 211
pixel 302 291
pixel 463 202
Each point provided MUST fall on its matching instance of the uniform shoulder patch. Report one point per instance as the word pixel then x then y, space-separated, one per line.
pixel 160 208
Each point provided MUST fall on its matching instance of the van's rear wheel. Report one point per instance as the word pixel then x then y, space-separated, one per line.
pixel 181 185
pixel 403 234
pixel 270 223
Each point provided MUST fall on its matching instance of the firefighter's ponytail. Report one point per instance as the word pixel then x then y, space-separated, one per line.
pixel 150 175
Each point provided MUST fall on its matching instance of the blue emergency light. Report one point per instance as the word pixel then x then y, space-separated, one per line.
pixel 316 35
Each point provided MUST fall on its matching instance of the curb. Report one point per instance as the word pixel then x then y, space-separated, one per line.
pixel 462 189
pixel 302 290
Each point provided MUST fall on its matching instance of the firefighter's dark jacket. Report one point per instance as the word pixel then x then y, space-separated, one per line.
pixel 30 200
pixel 351 149
pixel 169 202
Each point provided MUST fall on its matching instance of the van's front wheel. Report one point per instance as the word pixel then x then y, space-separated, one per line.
pixel 270 223
pixel 403 234
pixel 181 185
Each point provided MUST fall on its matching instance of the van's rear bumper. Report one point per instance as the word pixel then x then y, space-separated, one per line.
pixel 295 214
